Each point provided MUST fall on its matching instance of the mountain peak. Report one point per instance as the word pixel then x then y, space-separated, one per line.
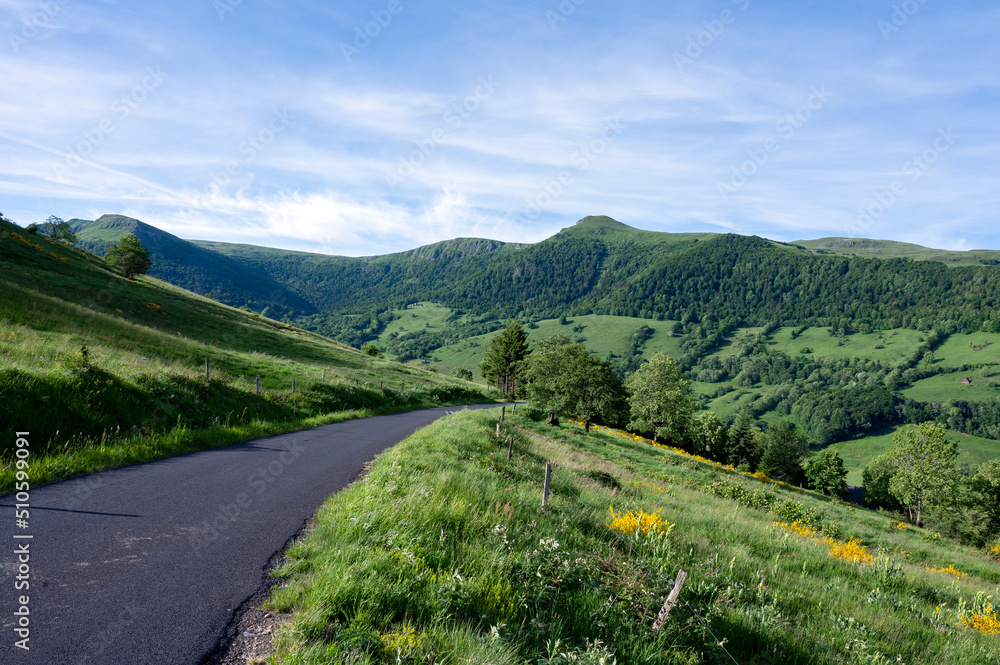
pixel 597 225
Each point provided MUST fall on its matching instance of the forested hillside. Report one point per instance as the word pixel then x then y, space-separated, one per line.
pixel 194 268
pixel 598 266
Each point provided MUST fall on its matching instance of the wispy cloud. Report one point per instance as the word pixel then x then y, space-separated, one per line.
pixel 199 152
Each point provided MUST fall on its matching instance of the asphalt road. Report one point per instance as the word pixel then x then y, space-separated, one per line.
pixel 147 564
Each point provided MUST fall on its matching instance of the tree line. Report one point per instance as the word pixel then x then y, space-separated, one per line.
pixel 560 377
pixel 918 477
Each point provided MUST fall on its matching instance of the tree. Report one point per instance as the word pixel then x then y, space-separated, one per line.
pixel 503 364
pixel 129 256
pixel 660 399
pixel 826 472
pixel 709 437
pixel 783 451
pixel 371 349
pixel 986 484
pixel 57 229
pixel 464 373
pixel 744 443
pixel 876 478
pixel 925 462
pixel 564 378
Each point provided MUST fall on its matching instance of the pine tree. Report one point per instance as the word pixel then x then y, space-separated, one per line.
pixel 503 364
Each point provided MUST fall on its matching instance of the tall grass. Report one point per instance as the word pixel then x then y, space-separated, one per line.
pixel 442 554
pixel 103 371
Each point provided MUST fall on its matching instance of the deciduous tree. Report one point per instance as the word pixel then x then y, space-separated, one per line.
pixel 564 378
pixel 57 229
pixel 708 436
pixel 925 467
pixel 660 399
pixel 826 472
pixel 876 478
pixel 129 256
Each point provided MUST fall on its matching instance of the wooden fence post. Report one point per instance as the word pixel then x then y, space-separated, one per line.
pixel 671 600
pixel 258 384
pixel 498 428
pixel 545 490
pixel 206 369
pixel 503 413
pixel 293 386
pixel 510 446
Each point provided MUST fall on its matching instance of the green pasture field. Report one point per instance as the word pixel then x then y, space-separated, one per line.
pixel 858 453
pixel 601 334
pixel 443 554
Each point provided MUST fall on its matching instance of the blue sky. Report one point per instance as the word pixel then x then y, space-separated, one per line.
pixel 369 127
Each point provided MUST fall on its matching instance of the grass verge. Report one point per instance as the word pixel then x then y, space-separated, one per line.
pixel 443 555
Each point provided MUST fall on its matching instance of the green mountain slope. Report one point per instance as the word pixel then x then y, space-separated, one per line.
pixel 890 249
pixel 194 268
pixel 600 266
pixel 103 371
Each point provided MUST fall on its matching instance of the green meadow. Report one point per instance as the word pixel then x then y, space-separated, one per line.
pixel 857 453
pixel 103 371
pixel 943 387
pixel 442 554
pixel 601 334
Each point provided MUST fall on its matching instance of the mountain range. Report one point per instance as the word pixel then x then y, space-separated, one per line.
pixel 598 265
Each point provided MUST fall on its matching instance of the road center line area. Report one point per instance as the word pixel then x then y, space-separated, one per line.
pixel 147 564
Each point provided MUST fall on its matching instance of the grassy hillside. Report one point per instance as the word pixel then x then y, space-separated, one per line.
pixel 890 249
pixel 601 333
pixel 195 268
pixel 857 453
pixel 103 371
pixel 442 554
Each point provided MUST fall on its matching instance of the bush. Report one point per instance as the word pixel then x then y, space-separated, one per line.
pixel 371 349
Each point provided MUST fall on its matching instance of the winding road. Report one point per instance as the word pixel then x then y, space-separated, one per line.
pixel 148 564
